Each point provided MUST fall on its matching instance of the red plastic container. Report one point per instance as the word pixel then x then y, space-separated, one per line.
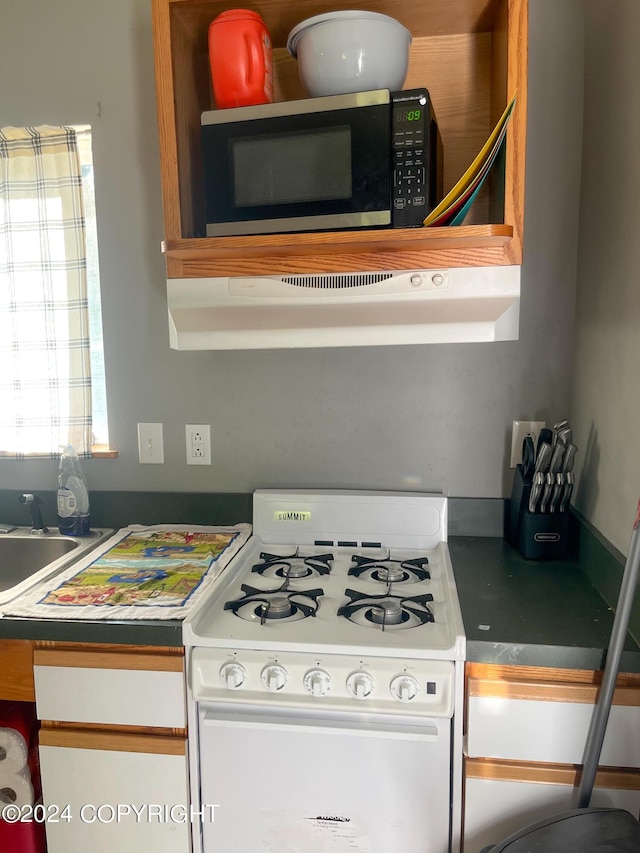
pixel 241 59
pixel 28 837
pixel 20 716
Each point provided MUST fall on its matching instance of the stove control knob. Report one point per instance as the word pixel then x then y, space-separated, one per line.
pixel 274 677
pixel 360 685
pixel 404 688
pixel 233 675
pixel 317 682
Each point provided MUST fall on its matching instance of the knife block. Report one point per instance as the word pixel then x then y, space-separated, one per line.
pixel 536 535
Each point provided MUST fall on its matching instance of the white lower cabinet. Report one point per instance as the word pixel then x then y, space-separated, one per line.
pixel 549 730
pixel 113 748
pixel 113 800
pixel 525 734
pixel 117 688
pixel 494 808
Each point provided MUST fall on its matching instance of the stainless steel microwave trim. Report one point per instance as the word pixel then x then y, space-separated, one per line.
pixel 300 223
pixel 287 108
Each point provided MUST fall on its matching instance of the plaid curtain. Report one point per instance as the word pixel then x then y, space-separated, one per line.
pixel 45 382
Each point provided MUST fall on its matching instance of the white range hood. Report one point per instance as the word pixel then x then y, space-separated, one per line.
pixel 336 310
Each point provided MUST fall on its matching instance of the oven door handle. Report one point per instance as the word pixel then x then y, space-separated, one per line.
pixel 341 726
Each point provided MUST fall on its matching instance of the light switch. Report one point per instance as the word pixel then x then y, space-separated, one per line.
pixel 150 444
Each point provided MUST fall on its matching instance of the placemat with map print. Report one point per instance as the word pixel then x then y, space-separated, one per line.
pixel 139 573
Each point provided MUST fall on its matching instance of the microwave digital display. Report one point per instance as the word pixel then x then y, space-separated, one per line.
pixel 285 168
pixel 405 116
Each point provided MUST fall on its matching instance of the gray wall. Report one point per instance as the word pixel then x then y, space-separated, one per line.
pixel 432 417
pixel 606 397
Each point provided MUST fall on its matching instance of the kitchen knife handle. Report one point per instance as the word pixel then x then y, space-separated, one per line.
pixel 567 491
pixel 558 489
pixel 557 455
pixel 543 458
pixel 538 480
pixel 569 458
pixel 548 489
pixel 545 437
pixel 528 457
pixel 564 436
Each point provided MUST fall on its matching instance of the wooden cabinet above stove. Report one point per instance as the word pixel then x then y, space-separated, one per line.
pixel 470 54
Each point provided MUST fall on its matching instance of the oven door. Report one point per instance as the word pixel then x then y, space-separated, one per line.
pixel 310 783
pixel 317 169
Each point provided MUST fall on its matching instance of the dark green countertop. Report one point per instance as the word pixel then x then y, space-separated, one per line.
pixel 116 510
pixel 139 633
pixel 531 613
pixel 515 611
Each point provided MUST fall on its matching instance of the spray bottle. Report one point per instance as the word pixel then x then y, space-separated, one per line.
pixel 73 496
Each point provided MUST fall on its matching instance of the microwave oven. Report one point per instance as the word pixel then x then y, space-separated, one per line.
pixel 362 160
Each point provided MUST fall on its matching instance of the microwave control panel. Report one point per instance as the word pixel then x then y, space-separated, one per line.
pixel 414 142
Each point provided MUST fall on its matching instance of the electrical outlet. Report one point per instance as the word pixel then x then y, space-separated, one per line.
pixel 198 438
pixel 150 444
pixel 520 429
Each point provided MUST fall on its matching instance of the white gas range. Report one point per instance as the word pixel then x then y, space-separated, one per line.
pixel 326 678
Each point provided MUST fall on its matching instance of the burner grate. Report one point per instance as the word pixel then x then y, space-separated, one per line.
pixel 275 605
pixel 387 611
pixel 293 566
pixel 386 570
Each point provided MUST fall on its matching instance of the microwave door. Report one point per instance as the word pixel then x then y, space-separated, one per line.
pixel 299 172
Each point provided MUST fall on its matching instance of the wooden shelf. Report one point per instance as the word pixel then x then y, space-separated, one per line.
pixel 470 54
pixel 346 251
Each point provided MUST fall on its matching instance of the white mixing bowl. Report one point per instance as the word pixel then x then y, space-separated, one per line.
pixel 350 51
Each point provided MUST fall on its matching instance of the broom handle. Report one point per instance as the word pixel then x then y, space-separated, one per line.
pixel 600 717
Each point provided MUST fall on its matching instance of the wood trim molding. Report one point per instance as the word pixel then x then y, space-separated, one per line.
pixel 109 728
pixel 473 254
pixel 99 659
pixel 16 671
pixel 102 451
pixel 109 647
pixel 549 674
pixel 113 741
pixel 546 674
pixel 550 774
pixel 164 76
pixel 340 242
pixel 548 691
pixel 517 71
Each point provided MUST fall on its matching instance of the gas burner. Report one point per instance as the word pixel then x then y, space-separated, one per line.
pixel 293 566
pixel 270 605
pixel 387 611
pixel 386 570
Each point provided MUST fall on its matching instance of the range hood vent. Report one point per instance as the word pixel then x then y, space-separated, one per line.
pixel 336 281
pixel 459 305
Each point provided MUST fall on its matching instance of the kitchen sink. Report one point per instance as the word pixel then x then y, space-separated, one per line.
pixel 27 559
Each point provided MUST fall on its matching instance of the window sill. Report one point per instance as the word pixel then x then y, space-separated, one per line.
pixel 102 451
pixel 98 451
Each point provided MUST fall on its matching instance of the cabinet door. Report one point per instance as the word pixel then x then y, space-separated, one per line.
pixel 548 722
pixel 494 807
pixel 95 773
pixel 110 687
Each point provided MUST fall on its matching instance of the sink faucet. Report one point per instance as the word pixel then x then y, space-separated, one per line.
pixel 34 503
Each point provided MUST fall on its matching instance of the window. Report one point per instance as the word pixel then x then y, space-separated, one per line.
pixel 52 386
